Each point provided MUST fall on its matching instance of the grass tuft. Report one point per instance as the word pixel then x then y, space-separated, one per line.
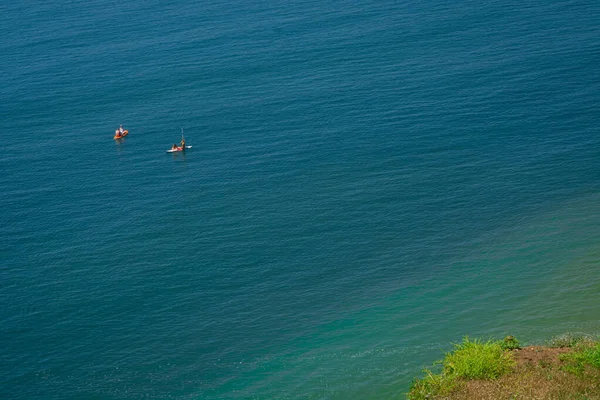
pixel 474 359
pixel 585 355
pixel 431 385
pixel 471 359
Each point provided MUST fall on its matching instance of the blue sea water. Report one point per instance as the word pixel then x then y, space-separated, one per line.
pixel 368 182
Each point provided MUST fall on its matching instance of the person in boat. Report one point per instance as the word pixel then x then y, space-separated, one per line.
pixel 182 143
pixel 117 133
pixel 121 130
pixel 174 147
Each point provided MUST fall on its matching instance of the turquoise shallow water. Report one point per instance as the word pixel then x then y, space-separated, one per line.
pixel 368 183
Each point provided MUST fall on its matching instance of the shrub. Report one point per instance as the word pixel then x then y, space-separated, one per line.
pixel 510 343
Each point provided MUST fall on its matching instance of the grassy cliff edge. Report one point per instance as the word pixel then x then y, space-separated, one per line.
pixel 567 367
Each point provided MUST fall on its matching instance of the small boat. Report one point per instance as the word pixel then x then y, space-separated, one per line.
pixel 178 149
pixel 119 135
pixel 181 147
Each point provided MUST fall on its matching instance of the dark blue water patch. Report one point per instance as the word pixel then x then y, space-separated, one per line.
pixel 353 167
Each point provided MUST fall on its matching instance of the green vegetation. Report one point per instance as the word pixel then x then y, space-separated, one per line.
pixel 568 367
pixel 471 359
pixel 510 343
pixel 474 359
pixel 585 356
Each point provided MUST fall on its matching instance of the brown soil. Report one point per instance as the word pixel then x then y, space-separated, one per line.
pixel 539 375
pixel 538 355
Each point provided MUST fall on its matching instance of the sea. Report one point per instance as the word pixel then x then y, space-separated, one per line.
pixel 369 182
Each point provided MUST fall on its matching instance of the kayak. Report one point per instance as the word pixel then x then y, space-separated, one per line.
pixel 121 136
pixel 178 149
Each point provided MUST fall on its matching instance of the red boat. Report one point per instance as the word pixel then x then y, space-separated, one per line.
pixel 119 135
